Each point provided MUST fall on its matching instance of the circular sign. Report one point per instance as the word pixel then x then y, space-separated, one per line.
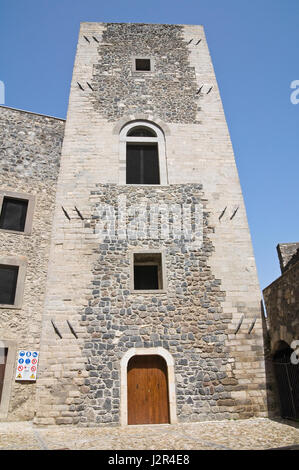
pixel 28 361
pixel 34 354
pixel 22 353
pixel 20 368
pixel 20 361
pixel 33 368
pixel 28 353
pixel 34 361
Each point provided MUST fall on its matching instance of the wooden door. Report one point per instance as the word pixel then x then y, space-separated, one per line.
pixel 147 390
pixel 3 358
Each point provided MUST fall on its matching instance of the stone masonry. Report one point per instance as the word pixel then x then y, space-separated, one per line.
pixel 282 298
pixel 169 91
pixel 29 164
pixel 206 323
pixel 218 372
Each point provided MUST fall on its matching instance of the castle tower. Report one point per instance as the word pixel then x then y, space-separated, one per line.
pixel 152 310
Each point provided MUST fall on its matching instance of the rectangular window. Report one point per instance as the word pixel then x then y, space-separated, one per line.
pixel 12 281
pixel 148 271
pixel 16 212
pixel 8 284
pixel 13 214
pixel 146 277
pixel 143 65
pixel 142 164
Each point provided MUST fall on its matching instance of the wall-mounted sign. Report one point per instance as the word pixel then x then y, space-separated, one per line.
pixel 27 365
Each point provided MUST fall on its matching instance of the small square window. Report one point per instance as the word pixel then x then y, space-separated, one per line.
pixel 16 212
pixel 13 214
pixel 147 271
pixel 12 281
pixel 146 277
pixel 143 65
pixel 8 284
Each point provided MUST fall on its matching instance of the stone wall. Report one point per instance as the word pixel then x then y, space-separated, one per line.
pixel 282 305
pixel 170 90
pixel 187 319
pixel 288 254
pixel 29 163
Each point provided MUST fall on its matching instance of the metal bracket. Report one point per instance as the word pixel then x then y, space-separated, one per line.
pixel 72 329
pixel 222 213
pixel 239 324
pixel 56 329
pixel 65 213
pixel 79 213
pixel 252 325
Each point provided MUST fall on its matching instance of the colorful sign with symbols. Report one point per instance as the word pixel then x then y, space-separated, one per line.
pixel 27 365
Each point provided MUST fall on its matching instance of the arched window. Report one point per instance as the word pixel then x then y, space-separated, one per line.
pixel 141 131
pixel 142 154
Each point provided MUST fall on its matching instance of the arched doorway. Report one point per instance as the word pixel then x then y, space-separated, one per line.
pixel 147 390
pixel 287 380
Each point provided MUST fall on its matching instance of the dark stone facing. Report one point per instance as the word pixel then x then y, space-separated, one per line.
pixel 30 144
pixel 186 320
pixel 168 92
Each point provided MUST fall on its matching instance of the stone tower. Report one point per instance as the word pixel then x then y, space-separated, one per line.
pixel 152 285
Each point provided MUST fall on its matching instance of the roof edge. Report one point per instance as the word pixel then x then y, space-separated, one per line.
pixel 32 112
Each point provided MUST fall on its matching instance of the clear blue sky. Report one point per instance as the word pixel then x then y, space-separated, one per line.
pixel 254 48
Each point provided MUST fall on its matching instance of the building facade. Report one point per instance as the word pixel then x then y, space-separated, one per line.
pixel 30 155
pixel 151 305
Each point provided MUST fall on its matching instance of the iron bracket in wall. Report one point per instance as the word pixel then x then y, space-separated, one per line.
pixel 239 324
pixel 56 329
pixel 251 326
pixel 65 213
pixel 72 329
pixel 222 213
pixel 234 213
pixel 79 213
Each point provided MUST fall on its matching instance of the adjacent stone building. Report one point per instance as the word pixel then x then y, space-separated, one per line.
pixel 151 303
pixel 282 305
pixel 29 165
pixel 282 297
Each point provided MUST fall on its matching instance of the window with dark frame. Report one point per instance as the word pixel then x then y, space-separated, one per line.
pixel 13 214
pixel 143 65
pixel 142 164
pixel 8 284
pixel 140 131
pixel 148 271
pixel 3 360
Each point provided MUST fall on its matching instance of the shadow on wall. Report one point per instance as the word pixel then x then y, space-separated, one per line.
pixel 271 388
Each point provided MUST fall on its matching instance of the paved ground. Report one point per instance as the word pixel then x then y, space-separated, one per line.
pixel 244 434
